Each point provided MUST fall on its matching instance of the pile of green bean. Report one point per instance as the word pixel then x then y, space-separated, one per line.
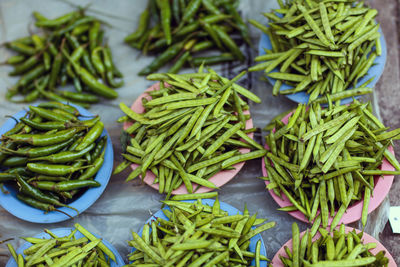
pixel 328 156
pixel 71 50
pixel 320 47
pixel 65 251
pixel 191 129
pixel 196 234
pixel 52 155
pixel 178 29
pixel 338 249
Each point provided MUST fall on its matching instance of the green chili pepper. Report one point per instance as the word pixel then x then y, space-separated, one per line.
pixel 191 9
pixel 67 108
pixel 38 204
pixel 21 48
pixel 165 8
pixel 65 185
pixel 197 61
pixel 96 86
pixel 13 60
pixel 55 70
pixel 48 115
pixel 93 35
pixel 79 97
pixel 23 67
pixel 91 136
pixel 229 43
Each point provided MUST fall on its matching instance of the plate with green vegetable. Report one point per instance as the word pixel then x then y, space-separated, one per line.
pixel 336 50
pixel 57 160
pixel 220 220
pixel 189 137
pixel 346 246
pixel 330 170
pixel 69 244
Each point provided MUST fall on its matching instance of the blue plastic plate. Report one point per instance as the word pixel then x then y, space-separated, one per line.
pixel 65 232
pixel 231 211
pixel 30 214
pixel 302 97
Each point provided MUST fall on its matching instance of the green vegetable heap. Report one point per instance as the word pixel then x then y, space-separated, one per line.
pixel 328 156
pixel 320 47
pixel 192 128
pixel 196 234
pixel 71 50
pixel 178 29
pixel 57 251
pixel 337 249
pixel 51 155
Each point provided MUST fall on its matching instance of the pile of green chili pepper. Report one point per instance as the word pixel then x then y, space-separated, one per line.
pixel 192 128
pixel 196 234
pixel 51 155
pixel 328 157
pixel 70 50
pixel 319 47
pixel 338 249
pixel 65 251
pixel 176 30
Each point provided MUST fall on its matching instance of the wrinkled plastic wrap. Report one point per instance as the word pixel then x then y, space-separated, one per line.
pixel 124 207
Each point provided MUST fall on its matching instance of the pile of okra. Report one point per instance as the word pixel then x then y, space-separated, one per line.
pixel 69 49
pixel 326 159
pixel 60 251
pixel 191 129
pixel 51 155
pixel 179 29
pixel 197 234
pixel 320 47
pixel 336 249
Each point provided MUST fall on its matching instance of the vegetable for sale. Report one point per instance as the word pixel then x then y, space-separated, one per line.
pixel 319 47
pixel 325 160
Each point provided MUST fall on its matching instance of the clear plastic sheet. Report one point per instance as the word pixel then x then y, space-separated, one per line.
pixel 124 207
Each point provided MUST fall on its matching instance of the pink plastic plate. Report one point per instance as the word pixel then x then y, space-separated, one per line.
pixel 218 179
pixel 276 262
pixel 353 213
